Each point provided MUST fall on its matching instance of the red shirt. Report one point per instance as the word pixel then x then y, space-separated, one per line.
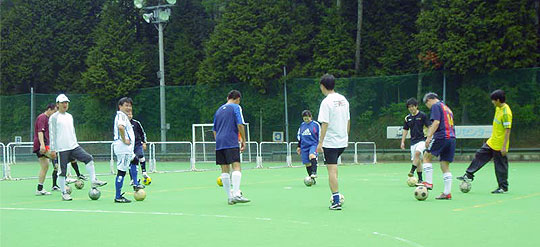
pixel 41 125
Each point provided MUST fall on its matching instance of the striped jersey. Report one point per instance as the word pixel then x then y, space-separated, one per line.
pixel 441 112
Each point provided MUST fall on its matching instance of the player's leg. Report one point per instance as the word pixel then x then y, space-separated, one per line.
pixel 139 152
pixel 433 149
pixel 331 156
pixel 63 159
pixel 225 174
pixel 417 163
pixel 55 176
pixel 501 172
pixel 232 156
pixel 122 166
pixel 447 157
pixel 133 173
pixel 304 153
pixel 313 161
pixel 75 167
pixel 44 167
pixel 80 154
pixel 413 166
pixel 481 157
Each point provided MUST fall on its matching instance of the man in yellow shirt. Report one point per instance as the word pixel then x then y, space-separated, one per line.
pixel 496 146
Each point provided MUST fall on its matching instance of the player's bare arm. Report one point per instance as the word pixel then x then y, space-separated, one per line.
pixel 324 128
pixel 431 131
pixel 506 138
pixel 241 130
pixel 405 132
pixel 122 129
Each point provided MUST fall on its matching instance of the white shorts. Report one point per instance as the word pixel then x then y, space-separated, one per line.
pixel 123 161
pixel 420 147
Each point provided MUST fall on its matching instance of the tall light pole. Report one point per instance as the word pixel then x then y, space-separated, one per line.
pixel 158 15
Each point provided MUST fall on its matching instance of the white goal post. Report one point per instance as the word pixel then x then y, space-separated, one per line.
pixel 202 135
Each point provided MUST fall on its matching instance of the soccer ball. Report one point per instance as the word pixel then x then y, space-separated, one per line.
pixel 341 199
pixel 412 181
pixel 147 180
pixel 68 189
pixel 139 195
pixel 94 194
pixel 308 181
pixel 421 193
pixel 465 187
pixel 79 184
pixel 219 182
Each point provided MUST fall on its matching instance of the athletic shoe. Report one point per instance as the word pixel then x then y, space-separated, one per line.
pixel 122 199
pixel 335 206
pixel 55 188
pixel 82 177
pixel 466 178
pixel 145 175
pixel 240 199
pixel 138 187
pixel 410 174
pixel 444 197
pixel 70 180
pixel 314 175
pixel 98 183
pixel 499 191
pixel 425 184
pixel 42 193
pixel 230 201
pixel 66 197
pixel 314 182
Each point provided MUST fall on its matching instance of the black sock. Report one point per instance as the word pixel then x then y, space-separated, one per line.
pixel 308 169
pixel 54 177
pixel 313 166
pixel 419 176
pixel 40 187
pixel 76 168
pixel 413 168
pixel 143 166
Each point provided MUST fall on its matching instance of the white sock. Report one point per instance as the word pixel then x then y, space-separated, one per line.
pixel 91 170
pixel 62 183
pixel 428 173
pixel 226 180
pixel 447 178
pixel 236 178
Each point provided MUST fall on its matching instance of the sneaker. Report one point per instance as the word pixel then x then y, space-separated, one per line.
pixel 426 184
pixel 55 188
pixel 444 197
pixel 335 206
pixel 230 201
pixel 122 199
pixel 314 175
pixel 240 199
pixel 466 178
pixel 66 197
pixel 42 193
pixel 145 175
pixel 131 183
pixel 499 191
pixel 138 187
pixel 410 174
pixel 98 183
pixel 70 180
pixel 82 177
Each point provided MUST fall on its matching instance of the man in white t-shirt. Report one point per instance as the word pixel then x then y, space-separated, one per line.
pixel 124 142
pixel 65 148
pixel 335 122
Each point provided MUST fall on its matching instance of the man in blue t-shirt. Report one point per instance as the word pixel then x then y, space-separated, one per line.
pixel 308 139
pixel 228 128
pixel 440 142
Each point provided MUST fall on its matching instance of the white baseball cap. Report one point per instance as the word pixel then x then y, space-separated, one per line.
pixel 62 98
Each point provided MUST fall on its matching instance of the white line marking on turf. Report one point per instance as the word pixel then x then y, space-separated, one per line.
pixel 399 239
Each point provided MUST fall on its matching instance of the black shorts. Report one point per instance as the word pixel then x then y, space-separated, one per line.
pixel 442 148
pixel 66 157
pixel 331 155
pixel 227 156
pixel 40 155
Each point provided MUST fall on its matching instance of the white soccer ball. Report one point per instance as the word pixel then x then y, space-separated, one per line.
pixel 308 181
pixel 465 187
pixel 412 181
pixel 421 193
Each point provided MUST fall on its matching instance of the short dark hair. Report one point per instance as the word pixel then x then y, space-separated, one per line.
pixel 234 94
pixel 328 81
pixel 306 113
pixel 498 95
pixel 430 95
pixel 124 100
pixel 50 106
pixel 411 101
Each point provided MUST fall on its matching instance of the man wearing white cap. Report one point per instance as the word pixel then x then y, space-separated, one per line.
pixel 65 148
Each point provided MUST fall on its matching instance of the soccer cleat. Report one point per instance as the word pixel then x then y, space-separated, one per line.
pixel 55 188
pixel 230 201
pixel 122 199
pixel 425 184
pixel 66 197
pixel 82 177
pixel 138 187
pixel 145 175
pixel 70 180
pixel 240 199
pixel 444 197
pixel 466 178
pixel 98 183
pixel 314 175
pixel 410 174
pixel 42 193
pixel 499 191
pixel 335 206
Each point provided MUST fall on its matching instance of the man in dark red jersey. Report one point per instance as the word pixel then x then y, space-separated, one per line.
pixel 41 145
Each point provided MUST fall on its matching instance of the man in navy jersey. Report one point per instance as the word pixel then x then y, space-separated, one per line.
pixel 415 122
pixel 441 142
pixel 228 124
pixel 140 143
pixel 308 139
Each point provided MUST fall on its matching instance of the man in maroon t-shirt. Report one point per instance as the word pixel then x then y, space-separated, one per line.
pixel 41 145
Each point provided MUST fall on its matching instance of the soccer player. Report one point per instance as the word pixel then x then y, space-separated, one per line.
pixel 415 121
pixel 123 146
pixel 140 143
pixel 41 145
pixel 335 122
pixel 441 141
pixel 496 146
pixel 64 145
pixel 308 138
pixel 228 123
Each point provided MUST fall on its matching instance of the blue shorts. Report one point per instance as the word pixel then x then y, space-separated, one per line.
pixel 305 152
pixel 139 152
pixel 443 148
